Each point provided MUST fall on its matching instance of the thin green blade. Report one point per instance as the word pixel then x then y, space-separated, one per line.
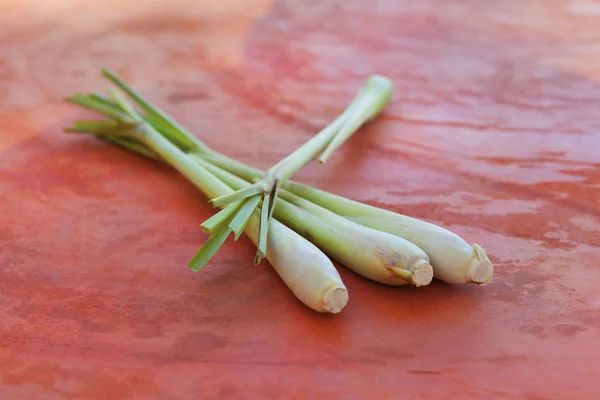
pixel 243 216
pixel 131 145
pixel 96 106
pixel 96 125
pixel 149 108
pixel 161 121
pixel 157 121
pixel 237 195
pixel 264 230
pixel 126 105
pixel 106 101
pixel 209 249
pixel 224 216
pixel 274 194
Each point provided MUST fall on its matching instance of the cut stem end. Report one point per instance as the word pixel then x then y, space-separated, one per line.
pixel 422 275
pixel 335 299
pixel 481 269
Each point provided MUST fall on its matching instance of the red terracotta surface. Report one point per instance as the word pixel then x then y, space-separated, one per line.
pixel 494 132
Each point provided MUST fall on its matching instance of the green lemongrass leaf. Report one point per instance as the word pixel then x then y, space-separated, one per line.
pixel 239 222
pixel 155 116
pixel 116 133
pixel 109 132
pixel 173 155
pixel 221 218
pixel 161 121
pixel 75 130
pixel 117 138
pixel 181 139
pixel 126 106
pixel 139 100
pixel 130 145
pixel 126 133
pixel 373 97
pixel 237 195
pixel 97 126
pixel 274 194
pixel 237 168
pixel 264 230
pixel 97 107
pixel 106 127
pixel 104 100
pixel 209 249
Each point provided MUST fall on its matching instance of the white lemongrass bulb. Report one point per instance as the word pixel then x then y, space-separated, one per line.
pixel 453 259
pixel 305 269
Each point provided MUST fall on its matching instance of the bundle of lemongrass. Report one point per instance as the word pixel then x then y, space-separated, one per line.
pixel 378 244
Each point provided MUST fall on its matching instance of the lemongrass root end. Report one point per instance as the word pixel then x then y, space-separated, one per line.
pixel 481 269
pixel 335 299
pixel 422 275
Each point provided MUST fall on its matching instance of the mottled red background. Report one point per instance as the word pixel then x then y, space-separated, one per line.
pixel 494 132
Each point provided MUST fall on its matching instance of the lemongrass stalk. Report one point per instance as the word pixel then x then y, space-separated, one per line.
pixel 372 97
pixel 305 269
pixel 453 260
pixel 376 255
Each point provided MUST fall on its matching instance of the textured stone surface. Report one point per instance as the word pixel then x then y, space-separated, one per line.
pixel 493 132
